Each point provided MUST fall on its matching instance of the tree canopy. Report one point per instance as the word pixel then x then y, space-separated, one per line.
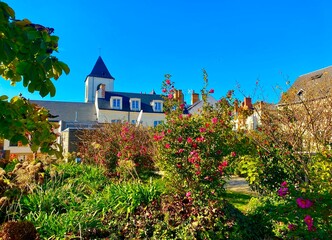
pixel 26 56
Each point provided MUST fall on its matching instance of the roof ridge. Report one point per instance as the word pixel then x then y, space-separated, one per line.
pixel 321 69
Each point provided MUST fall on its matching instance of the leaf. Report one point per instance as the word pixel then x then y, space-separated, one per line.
pixel 43 90
pixel 22 67
pixel 64 67
pixel 3 98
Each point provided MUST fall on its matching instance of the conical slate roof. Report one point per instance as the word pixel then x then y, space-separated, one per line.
pixel 100 70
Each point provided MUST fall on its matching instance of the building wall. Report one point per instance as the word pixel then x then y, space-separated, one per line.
pixel 91 84
pixel 146 120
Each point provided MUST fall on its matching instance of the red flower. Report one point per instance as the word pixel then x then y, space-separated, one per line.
pixel 167 145
pixel 170 96
pixel 180 139
pixel 303 203
pixel 189 140
pixel 188 194
pixel 233 154
pixel 168 82
pixel 164 90
pixel 182 106
pixel 214 120
pixel 211 90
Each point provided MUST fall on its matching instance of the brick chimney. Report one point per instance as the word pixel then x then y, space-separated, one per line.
pixel 247 103
pixel 178 95
pixel 194 98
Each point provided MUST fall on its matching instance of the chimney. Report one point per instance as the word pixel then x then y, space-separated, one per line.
pixel 178 95
pixel 194 98
pixel 102 91
pixel 247 103
pixel 236 106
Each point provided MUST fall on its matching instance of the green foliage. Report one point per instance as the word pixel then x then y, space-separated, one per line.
pixel 26 50
pixel 26 53
pixel 75 199
pixel 286 216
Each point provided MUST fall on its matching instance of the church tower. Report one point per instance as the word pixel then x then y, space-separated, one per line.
pixel 99 76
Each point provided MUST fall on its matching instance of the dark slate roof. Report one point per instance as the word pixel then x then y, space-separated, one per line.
pixel 69 111
pixel 100 70
pixel 146 99
pixel 312 85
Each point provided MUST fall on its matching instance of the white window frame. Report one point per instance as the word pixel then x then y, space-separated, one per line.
pixel 154 104
pixel 116 99
pixel 132 101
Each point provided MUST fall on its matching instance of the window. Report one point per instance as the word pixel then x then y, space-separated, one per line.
pixel 135 104
pixel 157 105
pixel 115 121
pixel 116 102
pixel 156 123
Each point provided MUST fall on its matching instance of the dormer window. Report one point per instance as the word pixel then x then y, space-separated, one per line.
pixel 135 104
pixel 157 105
pixel 116 102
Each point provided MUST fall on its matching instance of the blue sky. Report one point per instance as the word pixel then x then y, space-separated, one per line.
pixel 235 41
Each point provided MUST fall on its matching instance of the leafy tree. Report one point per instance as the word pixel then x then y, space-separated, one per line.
pixel 26 54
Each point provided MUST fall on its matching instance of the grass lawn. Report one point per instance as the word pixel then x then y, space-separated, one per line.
pixel 239 199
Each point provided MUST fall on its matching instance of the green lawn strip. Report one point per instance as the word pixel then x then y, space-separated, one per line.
pixel 239 199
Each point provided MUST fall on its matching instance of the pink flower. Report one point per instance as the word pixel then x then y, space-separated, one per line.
pixel 214 120
pixel 233 154
pixel 211 90
pixel 168 82
pixel 202 129
pixel 167 145
pixel 188 194
pixel 310 223
pixel 182 106
pixel 303 203
pixel 170 96
pixel 282 191
pixel 181 150
pixel 189 140
pixel 222 166
pixel 164 90
pixel 284 184
pixel 291 227
pixel 119 154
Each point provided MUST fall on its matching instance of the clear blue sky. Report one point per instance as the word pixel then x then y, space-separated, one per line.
pixel 236 41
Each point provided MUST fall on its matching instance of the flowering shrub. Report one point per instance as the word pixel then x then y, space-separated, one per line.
pixel 122 148
pixel 193 151
pixel 298 212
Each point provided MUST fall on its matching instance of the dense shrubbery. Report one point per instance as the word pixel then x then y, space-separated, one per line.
pixel 122 148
